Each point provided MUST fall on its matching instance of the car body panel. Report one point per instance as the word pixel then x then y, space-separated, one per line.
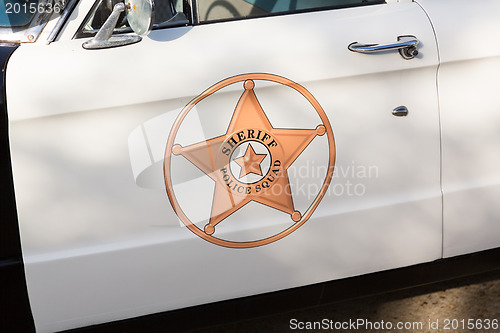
pixel 101 244
pixel 470 110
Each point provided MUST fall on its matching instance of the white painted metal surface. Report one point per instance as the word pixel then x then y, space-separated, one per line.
pixel 469 44
pixel 101 245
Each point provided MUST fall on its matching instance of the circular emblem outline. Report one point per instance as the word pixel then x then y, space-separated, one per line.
pixel 216 87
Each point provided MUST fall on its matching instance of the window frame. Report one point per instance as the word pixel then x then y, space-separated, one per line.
pixel 196 18
pixel 193 19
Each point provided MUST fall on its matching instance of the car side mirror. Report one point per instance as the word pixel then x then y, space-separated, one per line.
pixel 140 16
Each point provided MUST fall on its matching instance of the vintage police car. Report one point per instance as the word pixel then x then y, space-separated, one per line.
pixel 163 155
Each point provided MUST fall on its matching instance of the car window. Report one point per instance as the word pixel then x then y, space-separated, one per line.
pixel 22 21
pixel 16 14
pixel 216 10
pixel 167 13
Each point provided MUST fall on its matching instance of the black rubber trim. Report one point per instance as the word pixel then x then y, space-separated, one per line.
pixel 224 312
pixel 10 246
pixel 15 311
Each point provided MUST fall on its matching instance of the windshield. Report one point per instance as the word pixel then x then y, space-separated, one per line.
pixel 17 13
pixel 22 21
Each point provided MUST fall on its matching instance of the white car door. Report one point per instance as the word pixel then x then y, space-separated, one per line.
pixel 106 234
pixel 470 111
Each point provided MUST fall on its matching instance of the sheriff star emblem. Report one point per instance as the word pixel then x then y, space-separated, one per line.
pixel 249 161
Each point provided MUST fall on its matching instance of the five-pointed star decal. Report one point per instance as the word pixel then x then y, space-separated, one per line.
pixel 250 162
pixel 249 124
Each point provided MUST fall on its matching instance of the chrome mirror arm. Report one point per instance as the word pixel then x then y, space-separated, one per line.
pixel 104 37
pixel 107 28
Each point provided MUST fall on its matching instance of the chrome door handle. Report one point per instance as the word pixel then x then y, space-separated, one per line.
pixel 406 45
